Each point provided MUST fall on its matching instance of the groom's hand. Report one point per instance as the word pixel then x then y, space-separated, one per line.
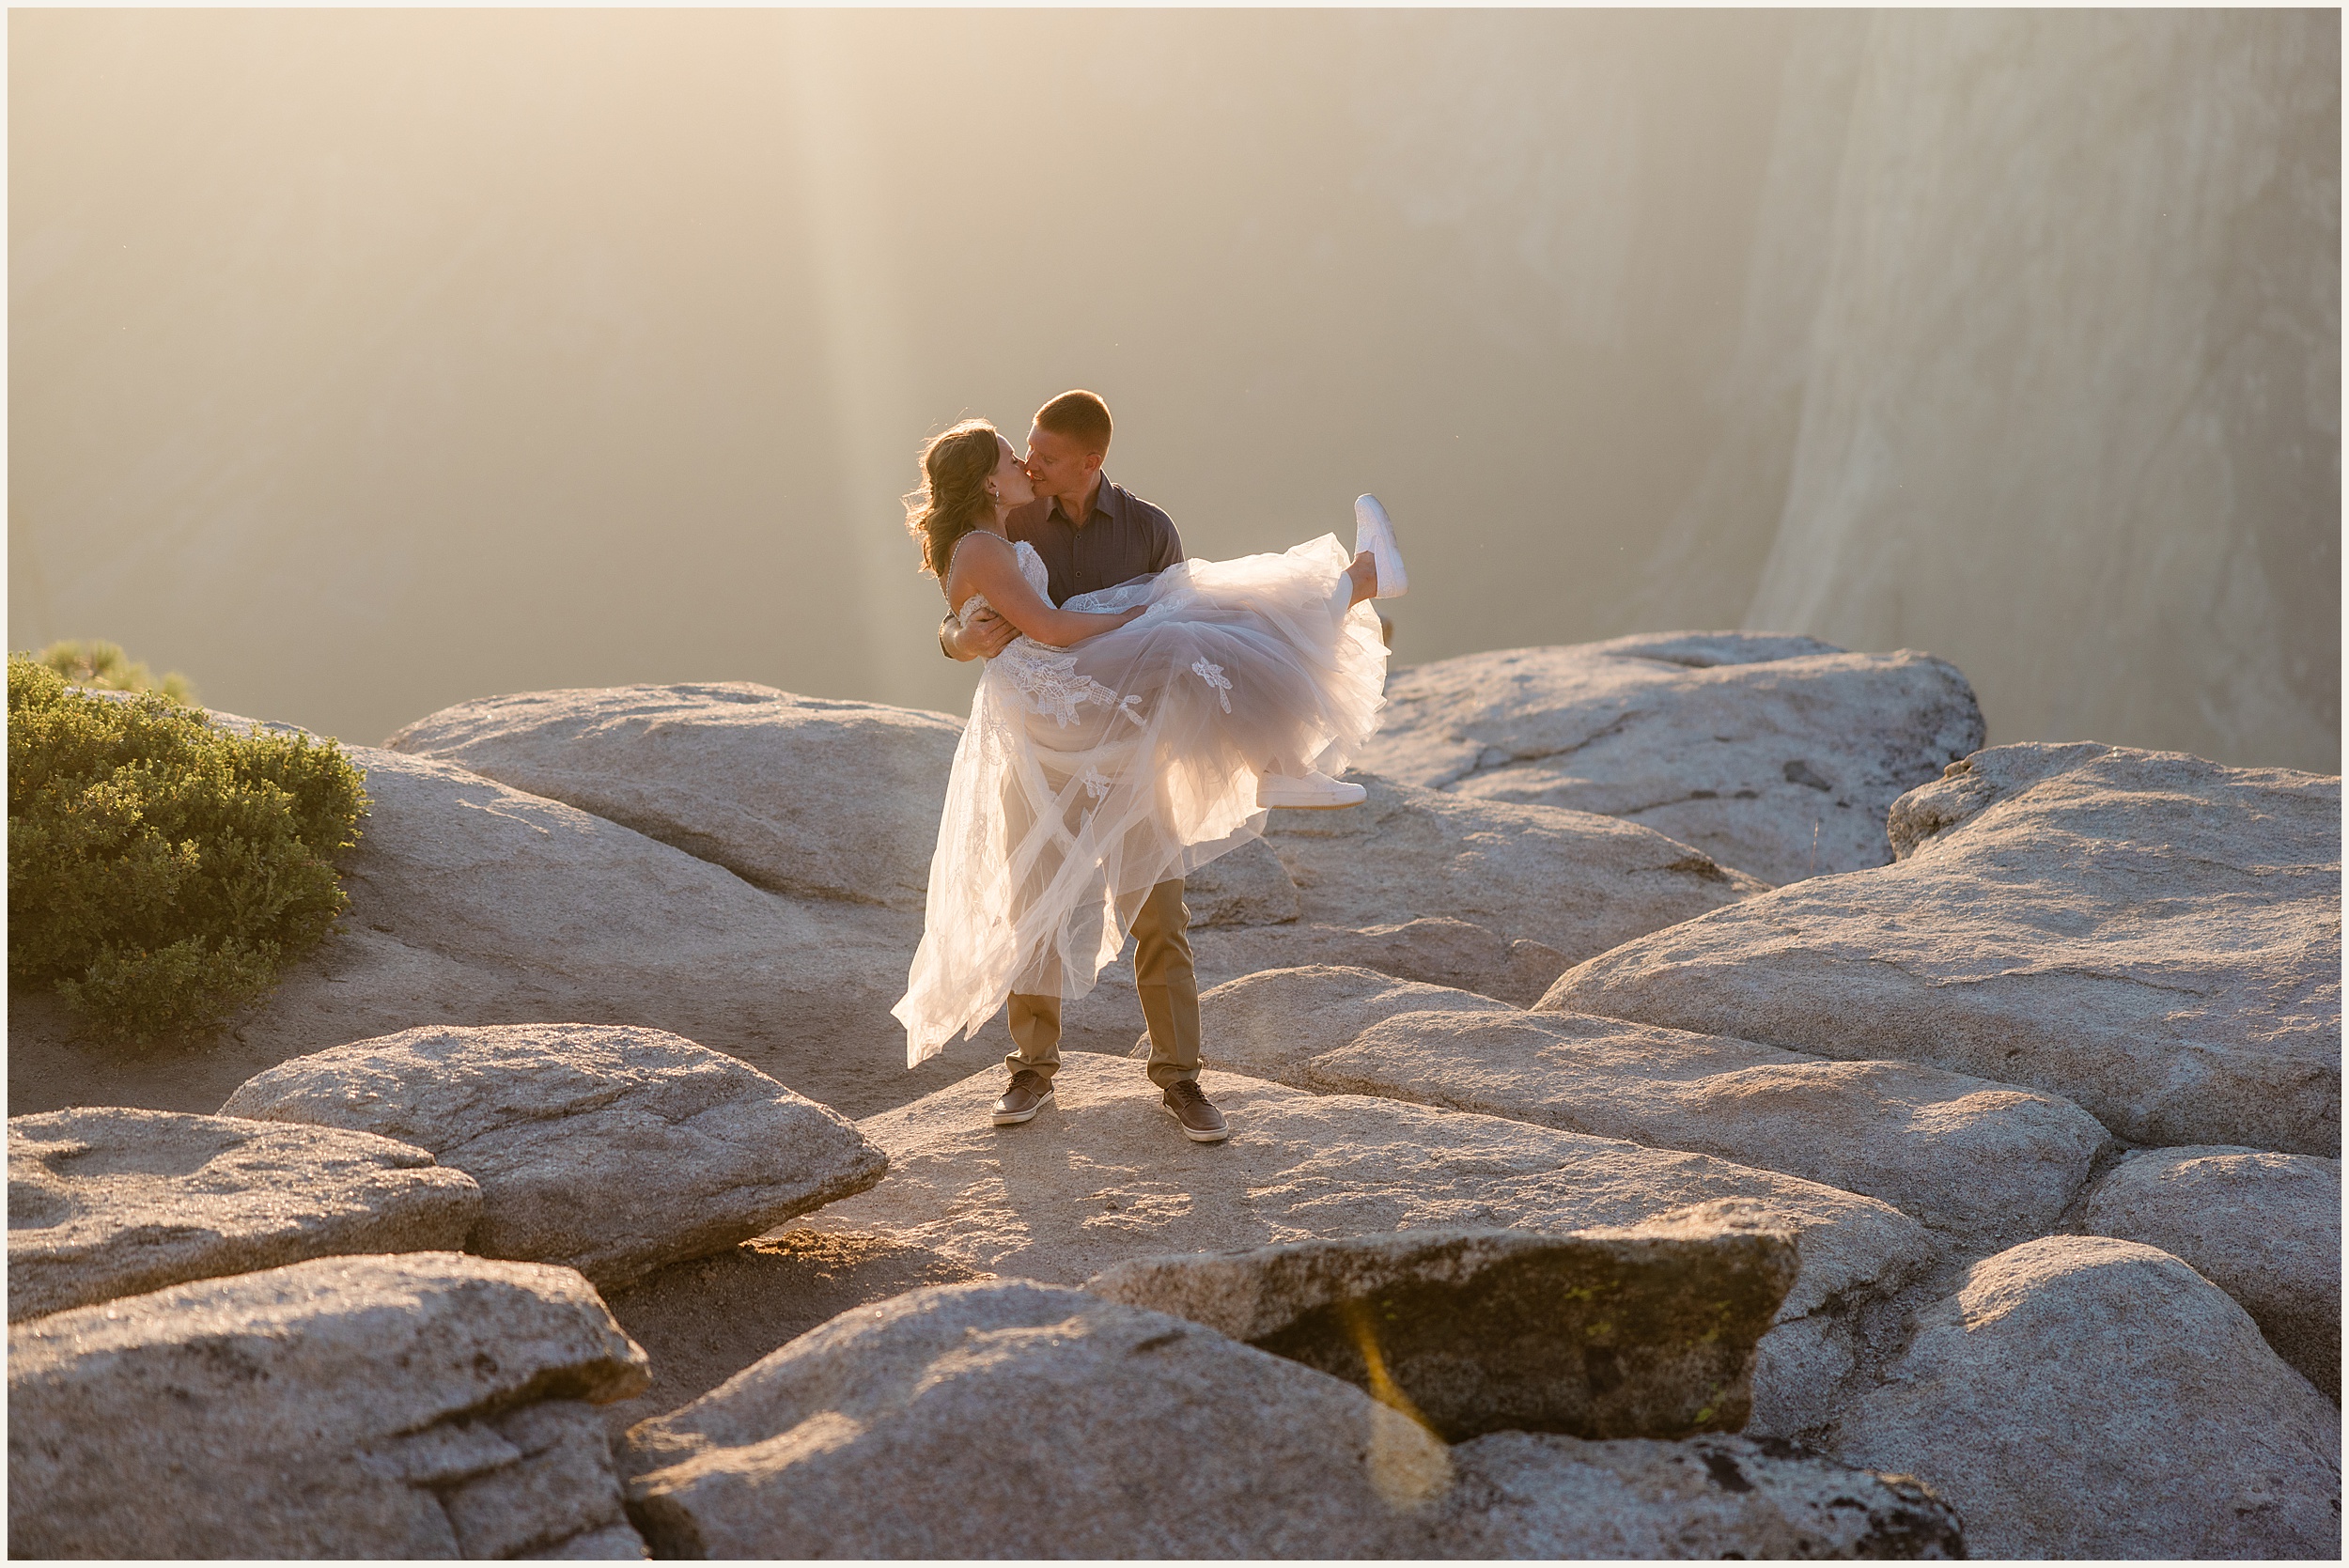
pixel 983 636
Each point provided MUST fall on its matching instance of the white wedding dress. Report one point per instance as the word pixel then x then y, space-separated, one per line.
pixel 1090 774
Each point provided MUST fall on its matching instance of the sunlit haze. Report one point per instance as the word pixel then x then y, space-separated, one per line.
pixel 365 361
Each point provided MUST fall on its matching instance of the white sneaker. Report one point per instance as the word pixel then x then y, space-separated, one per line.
pixel 1314 792
pixel 1374 532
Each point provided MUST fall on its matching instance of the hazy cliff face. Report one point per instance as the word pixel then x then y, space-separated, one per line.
pixel 364 363
pixel 2072 417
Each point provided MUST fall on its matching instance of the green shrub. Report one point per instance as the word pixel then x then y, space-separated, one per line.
pixel 163 872
pixel 107 668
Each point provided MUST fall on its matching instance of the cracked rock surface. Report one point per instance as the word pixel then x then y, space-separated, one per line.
pixel 1774 754
pixel 2081 1396
pixel 1101 1177
pixel 105 1200
pixel 2151 935
pixel 1604 1333
pixel 424 1405
pixel 1988 1163
pixel 1541 1495
pixel 1016 1420
pixel 610 1149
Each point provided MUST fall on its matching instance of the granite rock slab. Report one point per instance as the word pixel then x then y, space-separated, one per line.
pixel 1101 1177
pixel 2081 1396
pixel 2265 1228
pixel 108 1201
pixel 613 1150
pixel 1988 1163
pixel 420 1404
pixel 1775 754
pixel 2154 936
pixel 796 794
pixel 1599 1334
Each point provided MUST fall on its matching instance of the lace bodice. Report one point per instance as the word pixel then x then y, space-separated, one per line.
pixel 1030 567
pixel 1046 678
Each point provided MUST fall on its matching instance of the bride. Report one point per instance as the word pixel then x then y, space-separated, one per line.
pixel 1127 737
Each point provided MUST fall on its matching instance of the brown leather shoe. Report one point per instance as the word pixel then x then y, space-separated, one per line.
pixel 1200 1122
pixel 1029 1090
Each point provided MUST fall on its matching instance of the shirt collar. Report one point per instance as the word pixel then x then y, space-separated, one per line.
pixel 1108 501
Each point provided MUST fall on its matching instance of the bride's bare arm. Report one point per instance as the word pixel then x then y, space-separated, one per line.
pixel 986 565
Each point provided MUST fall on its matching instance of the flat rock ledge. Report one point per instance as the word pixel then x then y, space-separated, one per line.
pixel 1008 1418
pixel 1777 754
pixel 2151 935
pixel 106 1200
pixel 2265 1228
pixel 1576 882
pixel 1602 1334
pixel 2081 1396
pixel 612 1149
pixel 797 795
pixel 1102 1177
pixel 1990 1164
pixel 424 1405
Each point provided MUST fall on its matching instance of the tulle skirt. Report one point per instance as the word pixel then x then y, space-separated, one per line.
pixel 1090 774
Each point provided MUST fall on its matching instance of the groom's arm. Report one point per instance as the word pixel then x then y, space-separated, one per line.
pixel 1166 546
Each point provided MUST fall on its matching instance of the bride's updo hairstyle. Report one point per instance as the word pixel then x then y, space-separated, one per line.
pixel 953 499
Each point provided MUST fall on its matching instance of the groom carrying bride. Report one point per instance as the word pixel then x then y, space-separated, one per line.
pixel 1090 535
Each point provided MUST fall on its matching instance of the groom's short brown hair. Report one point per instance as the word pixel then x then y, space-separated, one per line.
pixel 1080 416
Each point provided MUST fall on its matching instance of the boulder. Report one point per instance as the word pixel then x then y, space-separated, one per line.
pixel 1544 1496
pixel 2151 935
pixel 473 903
pixel 1774 754
pixel 797 795
pixel 1022 1421
pixel 1270 1023
pixel 1570 881
pixel 1008 1418
pixel 556 1498
pixel 1989 1163
pixel 704 1320
pixel 108 1201
pixel 1015 1419
pixel 2265 1228
pixel 1600 1334
pixel 423 1404
pixel 2081 1396
pixel 613 1150
pixel 1491 898
pixel 1246 887
pixel 1434 950
pixel 1101 1177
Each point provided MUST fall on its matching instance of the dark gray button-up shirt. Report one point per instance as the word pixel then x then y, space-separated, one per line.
pixel 1123 539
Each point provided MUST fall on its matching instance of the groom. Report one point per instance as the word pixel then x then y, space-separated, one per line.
pixel 1095 534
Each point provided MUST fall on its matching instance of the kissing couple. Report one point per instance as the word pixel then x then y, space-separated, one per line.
pixel 1139 715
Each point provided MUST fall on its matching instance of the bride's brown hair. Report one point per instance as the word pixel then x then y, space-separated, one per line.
pixel 953 499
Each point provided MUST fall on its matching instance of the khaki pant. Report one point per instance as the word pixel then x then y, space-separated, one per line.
pixel 1163 979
